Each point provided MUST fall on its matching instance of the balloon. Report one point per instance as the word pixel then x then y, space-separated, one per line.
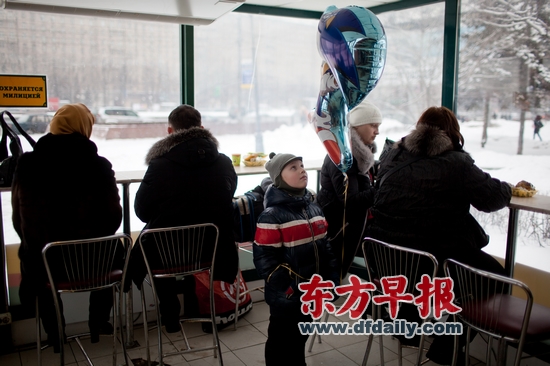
pixel 352 41
pixel 329 121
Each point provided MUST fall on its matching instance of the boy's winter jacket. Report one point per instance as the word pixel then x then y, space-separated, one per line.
pixel 290 246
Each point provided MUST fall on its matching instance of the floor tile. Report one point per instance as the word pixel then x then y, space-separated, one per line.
pixel 329 358
pixel 243 347
pixel 244 337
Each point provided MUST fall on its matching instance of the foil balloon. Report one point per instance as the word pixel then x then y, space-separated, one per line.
pixel 352 41
pixel 329 120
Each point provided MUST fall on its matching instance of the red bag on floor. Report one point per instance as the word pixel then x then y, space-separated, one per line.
pixel 224 296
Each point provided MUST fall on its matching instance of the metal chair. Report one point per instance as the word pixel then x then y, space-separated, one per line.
pixel 385 260
pixel 177 252
pixel 488 308
pixel 244 247
pixel 84 266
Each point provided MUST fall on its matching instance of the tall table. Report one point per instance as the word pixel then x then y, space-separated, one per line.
pixel 537 203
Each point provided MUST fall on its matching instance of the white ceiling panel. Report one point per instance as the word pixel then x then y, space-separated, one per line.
pixel 195 12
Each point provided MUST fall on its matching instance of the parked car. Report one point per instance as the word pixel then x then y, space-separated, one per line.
pixel 117 115
pixel 32 122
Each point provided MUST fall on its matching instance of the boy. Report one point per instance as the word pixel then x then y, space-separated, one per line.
pixel 290 246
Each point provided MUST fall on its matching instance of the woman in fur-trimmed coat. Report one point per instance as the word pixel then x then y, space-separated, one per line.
pixel 364 121
pixel 425 205
pixel 188 182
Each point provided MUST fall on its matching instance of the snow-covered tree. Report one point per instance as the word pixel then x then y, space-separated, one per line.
pixel 505 55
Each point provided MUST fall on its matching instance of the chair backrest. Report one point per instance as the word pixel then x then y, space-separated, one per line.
pixel 87 264
pixel 180 250
pixel 385 260
pixel 486 303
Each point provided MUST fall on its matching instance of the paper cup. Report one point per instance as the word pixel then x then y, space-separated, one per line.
pixel 236 158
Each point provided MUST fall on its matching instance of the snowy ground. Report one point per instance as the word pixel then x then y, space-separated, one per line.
pixel 499 158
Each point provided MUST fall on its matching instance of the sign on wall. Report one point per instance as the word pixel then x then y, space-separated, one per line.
pixel 26 91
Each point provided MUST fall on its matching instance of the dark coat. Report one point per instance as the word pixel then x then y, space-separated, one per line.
pixel 426 204
pixel 61 191
pixel 291 234
pixel 360 197
pixel 189 182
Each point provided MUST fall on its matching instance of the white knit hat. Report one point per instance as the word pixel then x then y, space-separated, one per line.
pixel 363 114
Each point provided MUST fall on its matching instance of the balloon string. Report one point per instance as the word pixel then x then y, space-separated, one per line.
pixel 346 184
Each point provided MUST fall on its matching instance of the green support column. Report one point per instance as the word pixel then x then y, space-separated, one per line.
pixel 450 54
pixel 187 65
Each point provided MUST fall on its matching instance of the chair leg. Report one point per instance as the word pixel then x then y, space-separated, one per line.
pixel 159 327
pixel 120 319
pixel 502 347
pixel 455 350
pixel 217 347
pixel 60 329
pixel 374 316
pixel 400 354
pixel 38 335
pixel 145 324
pixel 317 336
pixel 489 355
pixel 367 350
pixel 115 323
pixel 381 339
pixel 237 295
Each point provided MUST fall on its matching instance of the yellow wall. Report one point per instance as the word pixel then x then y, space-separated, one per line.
pixel 537 280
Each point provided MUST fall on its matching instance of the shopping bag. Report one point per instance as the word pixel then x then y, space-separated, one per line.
pixel 224 297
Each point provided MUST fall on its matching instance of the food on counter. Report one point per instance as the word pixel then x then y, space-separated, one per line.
pixel 254 159
pixel 524 189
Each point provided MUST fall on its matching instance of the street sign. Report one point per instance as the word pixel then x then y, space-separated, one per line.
pixel 25 91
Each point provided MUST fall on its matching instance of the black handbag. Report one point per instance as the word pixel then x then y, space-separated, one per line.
pixel 475 233
pixel 8 159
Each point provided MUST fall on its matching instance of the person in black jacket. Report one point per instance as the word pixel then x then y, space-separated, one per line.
pixel 290 246
pixel 63 191
pixel 187 182
pixel 353 205
pixel 425 204
pixel 537 125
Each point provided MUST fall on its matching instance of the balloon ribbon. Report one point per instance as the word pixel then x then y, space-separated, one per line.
pixel 346 184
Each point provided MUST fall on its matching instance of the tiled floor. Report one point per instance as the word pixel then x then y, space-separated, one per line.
pixel 245 346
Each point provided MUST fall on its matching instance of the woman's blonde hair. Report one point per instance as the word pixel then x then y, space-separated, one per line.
pixel 72 118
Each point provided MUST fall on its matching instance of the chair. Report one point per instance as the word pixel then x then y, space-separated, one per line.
pixel 247 248
pixel 384 260
pixel 84 266
pixel 488 308
pixel 177 252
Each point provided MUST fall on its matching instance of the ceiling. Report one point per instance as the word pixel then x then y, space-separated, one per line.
pixel 193 12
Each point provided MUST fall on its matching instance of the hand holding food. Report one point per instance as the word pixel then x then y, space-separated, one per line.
pixel 524 189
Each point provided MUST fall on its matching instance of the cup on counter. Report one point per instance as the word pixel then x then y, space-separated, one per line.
pixel 236 158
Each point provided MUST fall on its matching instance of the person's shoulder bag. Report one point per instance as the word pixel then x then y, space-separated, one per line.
pixel 8 159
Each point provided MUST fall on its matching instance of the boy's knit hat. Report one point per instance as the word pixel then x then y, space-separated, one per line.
pixel 363 114
pixel 276 165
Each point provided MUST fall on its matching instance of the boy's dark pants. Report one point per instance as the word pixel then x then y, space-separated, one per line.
pixel 285 344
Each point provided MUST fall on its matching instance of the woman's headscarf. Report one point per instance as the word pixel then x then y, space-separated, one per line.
pixel 72 118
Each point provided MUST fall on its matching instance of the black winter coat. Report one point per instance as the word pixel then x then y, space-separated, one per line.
pixel 425 205
pixel 61 191
pixel 360 197
pixel 189 182
pixel 289 247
